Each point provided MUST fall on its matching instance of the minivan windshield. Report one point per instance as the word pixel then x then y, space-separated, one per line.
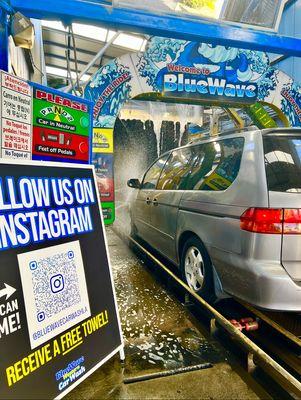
pixel 282 154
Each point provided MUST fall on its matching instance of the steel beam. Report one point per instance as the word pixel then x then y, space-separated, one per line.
pixel 63 58
pixel 64 46
pixel 194 29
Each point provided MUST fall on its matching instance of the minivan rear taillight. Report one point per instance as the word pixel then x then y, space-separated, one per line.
pixel 272 220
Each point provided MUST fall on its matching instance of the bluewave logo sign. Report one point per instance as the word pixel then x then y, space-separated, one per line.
pixel 71 373
pixel 197 83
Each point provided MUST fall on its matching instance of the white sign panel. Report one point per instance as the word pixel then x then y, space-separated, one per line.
pixel 16 117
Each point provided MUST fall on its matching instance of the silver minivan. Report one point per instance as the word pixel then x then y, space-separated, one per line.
pixel 227 212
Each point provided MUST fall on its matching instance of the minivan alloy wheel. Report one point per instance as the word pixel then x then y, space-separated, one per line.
pixel 194 268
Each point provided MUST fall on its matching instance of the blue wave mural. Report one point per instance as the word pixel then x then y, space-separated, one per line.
pixel 177 68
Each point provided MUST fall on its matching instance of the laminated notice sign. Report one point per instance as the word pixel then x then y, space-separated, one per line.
pixel 102 140
pixel 62 126
pixel 41 123
pixel 16 117
pixel 59 319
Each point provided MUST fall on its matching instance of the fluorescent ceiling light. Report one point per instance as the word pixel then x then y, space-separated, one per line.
pixel 54 25
pixel 89 31
pixel 279 156
pixel 63 73
pixel 125 40
pixel 129 41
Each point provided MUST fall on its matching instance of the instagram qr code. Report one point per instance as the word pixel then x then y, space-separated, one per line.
pixel 55 290
pixel 55 284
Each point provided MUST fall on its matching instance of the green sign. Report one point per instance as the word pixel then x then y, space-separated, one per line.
pixel 56 116
pixel 61 127
pixel 108 211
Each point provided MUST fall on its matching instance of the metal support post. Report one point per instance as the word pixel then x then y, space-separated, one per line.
pixel 187 300
pixel 251 366
pixel 214 119
pixel 4 52
pixel 213 327
pixel 233 114
pixel 94 60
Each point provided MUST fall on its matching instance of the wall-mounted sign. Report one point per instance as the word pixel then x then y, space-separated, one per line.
pixel 103 164
pixel 198 84
pixel 15 117
pixel 43 124
pixel 180 85
pixel 59 318
pixel 108 211
pixel 61 126
pixel 103 161
pixel 102 140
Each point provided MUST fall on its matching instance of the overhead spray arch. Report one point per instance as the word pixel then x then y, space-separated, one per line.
pixel 187 72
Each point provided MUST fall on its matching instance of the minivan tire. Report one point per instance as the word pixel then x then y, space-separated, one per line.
pixel 198 264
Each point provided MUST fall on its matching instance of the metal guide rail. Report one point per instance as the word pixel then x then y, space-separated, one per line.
pixel 279 335
pixel 261 357
pixel 288 324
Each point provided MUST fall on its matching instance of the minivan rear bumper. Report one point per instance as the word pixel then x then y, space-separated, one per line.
pixel 265 285
pixel 278 293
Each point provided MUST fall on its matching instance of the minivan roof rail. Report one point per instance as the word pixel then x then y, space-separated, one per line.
pixel 238 130
pixel 227 132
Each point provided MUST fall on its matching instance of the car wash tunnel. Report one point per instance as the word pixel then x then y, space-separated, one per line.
pixel 150 199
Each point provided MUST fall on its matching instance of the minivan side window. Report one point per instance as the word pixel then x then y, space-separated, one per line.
pixel 176 170
pixel 216 164
pixel 152 175
pixel 208 166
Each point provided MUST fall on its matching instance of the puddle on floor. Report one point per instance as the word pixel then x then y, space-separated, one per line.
pixel 159 333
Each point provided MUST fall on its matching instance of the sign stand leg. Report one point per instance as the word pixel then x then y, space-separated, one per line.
pixel 122 354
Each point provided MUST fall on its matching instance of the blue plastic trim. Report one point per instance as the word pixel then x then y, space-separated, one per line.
pixel 193 29
pixel 4 51
pixel 5 4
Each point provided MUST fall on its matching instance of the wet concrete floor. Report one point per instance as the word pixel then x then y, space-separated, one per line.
pixel 160 335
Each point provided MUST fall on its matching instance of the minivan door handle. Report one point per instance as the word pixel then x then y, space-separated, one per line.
pixel 155 202
pixel 148 200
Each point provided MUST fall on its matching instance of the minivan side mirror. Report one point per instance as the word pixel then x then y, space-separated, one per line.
pixel 134 183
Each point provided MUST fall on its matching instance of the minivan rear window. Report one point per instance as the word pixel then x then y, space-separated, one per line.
pixel 282 155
